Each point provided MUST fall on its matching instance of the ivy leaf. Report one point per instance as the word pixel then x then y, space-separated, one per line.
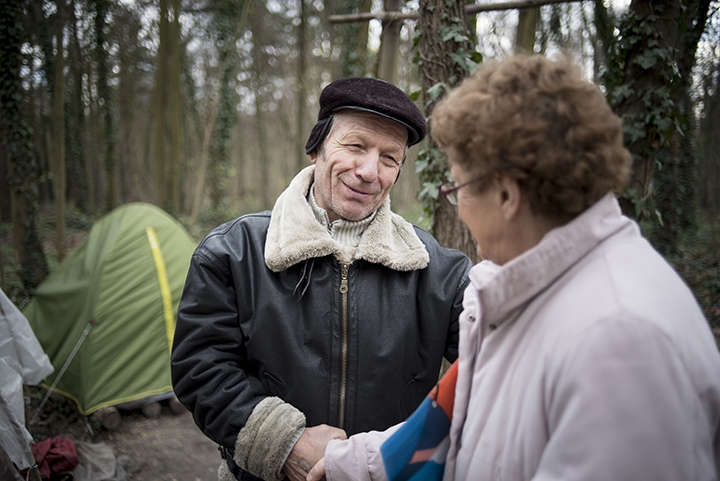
pixel 635 131
pixel 414 96
pixel 436 90
pixel 420 164
pixel 646 61
pixel 452 33
pixel 430 190
pixel 663 123
pixel 464 60
pixel 622 92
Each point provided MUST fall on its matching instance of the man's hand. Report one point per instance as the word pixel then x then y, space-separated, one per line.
pixel 309 449
pixel 317 473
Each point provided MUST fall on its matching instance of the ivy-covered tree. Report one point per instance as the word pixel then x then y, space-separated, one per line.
pixel 709 142
pixel 15 147
pixel 648 78
pixel 446 55
pixel 224 25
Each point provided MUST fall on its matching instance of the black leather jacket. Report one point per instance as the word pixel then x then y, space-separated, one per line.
pixel 355 346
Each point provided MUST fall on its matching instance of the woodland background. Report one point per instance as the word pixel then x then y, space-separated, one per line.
pixel 203 107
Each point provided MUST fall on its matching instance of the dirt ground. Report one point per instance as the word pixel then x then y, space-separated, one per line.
pixel 166 448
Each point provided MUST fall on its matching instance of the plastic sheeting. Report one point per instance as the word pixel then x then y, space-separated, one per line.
pixel 22 360
pixel 18 342
pixel 98 463
pixel 14 438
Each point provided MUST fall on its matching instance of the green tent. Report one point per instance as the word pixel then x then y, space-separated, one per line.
pixel 115 297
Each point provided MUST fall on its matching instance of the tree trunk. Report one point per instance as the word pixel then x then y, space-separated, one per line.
pixel 648 87
pixel 301 159
pixel 176 134
pixel 88 167
pixel 390 45
pixel 159 110
pixel 203 167
pixel 129 152
pixel 263 158
pixel 709 144
pixel 77 190
pixel 16 150
pixel 527 26
pixel 58 160
pixel 644 76
pixel 438 67
pixel 355 41
pixel 106 103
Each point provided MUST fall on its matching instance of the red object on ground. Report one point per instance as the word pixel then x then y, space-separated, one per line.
pixel 55 455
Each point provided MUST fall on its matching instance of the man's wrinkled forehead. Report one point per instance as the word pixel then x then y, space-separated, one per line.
pixel 357 124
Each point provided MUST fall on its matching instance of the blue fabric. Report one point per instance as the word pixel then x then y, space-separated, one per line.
pixel 418 450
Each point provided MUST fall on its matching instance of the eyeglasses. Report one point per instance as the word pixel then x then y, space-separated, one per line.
pixel 449 190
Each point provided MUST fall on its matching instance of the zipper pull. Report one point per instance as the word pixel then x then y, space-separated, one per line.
pixel 344 282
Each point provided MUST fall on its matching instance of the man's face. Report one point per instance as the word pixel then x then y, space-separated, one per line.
pixel 358 164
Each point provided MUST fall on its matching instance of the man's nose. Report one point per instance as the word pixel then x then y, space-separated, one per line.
pixel 367 166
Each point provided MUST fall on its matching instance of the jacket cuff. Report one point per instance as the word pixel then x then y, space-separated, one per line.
pixel 261 446
pixel 291 444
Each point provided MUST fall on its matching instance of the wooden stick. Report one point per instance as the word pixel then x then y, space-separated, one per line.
pixel 469 9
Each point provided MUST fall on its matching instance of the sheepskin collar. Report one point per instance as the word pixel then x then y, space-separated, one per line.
pixel 295 234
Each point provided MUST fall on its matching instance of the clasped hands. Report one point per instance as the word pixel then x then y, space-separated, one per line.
pixel 307 458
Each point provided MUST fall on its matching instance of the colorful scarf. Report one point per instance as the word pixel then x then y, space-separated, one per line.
pixel 418 450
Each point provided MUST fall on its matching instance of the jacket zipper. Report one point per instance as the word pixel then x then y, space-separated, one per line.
pixel 343 383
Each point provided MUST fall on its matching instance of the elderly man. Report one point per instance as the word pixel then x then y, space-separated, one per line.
pixel 328 315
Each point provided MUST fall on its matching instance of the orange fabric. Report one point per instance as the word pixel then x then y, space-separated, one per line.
pixel 444 392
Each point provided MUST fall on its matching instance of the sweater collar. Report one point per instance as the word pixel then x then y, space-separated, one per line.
pixel 344 231
pixel 295 235
pixel 517 282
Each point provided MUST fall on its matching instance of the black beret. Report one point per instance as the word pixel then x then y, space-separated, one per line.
pixel 369 95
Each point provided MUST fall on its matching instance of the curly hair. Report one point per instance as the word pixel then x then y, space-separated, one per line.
pixel 539 122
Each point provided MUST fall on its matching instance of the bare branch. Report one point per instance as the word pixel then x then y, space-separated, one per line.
pixel 469 9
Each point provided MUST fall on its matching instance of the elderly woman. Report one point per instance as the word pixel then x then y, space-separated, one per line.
pixel 583 355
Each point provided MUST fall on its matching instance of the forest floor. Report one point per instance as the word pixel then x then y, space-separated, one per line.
pixel 168 447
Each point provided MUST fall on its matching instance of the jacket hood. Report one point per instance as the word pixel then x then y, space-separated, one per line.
pixel 295 235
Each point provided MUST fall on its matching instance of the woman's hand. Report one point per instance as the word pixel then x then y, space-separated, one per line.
pixel 317 473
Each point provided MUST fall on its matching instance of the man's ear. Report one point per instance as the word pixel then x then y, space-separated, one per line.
pixel 511 197
pixel 313 156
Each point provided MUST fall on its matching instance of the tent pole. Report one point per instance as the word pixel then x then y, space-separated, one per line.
pixel 62 371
